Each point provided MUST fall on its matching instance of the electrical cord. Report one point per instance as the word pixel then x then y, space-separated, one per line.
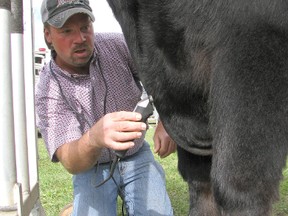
pixel 144 107
pixel 74 110
pixel 112 169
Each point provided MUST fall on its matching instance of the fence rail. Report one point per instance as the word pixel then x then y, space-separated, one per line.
pixel 18 147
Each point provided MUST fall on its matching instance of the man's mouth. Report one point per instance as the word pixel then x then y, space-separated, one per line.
pixel 80 50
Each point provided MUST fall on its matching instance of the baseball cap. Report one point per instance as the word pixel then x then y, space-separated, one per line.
pixel 57 12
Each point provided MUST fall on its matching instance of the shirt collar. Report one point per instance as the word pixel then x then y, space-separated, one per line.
pixel 60 70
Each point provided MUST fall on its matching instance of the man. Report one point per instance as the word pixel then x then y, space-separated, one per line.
pixel 84 100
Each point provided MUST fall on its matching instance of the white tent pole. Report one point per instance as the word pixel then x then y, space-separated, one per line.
pixel 19 96
pixel 29 91
pixel 8 174
pixel 30 108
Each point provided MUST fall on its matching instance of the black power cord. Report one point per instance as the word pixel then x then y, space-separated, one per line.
pixel 144 107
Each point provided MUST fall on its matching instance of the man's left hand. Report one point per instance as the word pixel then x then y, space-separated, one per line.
pixel 163 144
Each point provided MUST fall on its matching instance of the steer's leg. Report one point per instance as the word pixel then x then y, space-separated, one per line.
pixel 249 119
pixel 196 172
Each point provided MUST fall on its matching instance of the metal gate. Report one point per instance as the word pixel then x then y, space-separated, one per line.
pixel 19 188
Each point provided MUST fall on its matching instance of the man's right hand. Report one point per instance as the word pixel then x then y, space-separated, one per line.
pixel 114 131
pixel 117 130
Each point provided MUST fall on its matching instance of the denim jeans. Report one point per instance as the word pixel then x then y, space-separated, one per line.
pixel 140 179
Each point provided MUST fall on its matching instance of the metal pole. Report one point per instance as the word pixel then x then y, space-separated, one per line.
pixel 19 96
pixel 29 92
pixel 30 110
pixel 8 174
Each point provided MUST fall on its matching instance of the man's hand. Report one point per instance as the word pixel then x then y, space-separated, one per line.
pixel 117 130
pixel 163 144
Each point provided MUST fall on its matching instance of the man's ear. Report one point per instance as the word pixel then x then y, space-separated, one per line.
pixel 47 35
pixel 47 38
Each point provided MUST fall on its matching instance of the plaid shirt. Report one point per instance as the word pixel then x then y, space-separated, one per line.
pixel 68 105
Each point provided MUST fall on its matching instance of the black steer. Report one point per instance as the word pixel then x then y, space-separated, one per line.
pixel 218 74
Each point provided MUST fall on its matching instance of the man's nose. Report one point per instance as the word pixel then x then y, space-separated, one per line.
pixel 80 36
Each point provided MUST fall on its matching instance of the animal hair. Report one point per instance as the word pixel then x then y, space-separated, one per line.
pixel 218 74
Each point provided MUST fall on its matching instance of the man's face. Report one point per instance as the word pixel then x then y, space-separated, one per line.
pixel 73 43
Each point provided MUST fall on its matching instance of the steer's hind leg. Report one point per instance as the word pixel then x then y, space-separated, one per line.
pixel 196 172
pixel 202 202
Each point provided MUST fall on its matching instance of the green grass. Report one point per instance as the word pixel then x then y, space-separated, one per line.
pixel 55 183
pixel 56 186
pixel 281 208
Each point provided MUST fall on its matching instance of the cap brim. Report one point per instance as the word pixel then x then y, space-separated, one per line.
pixel 58 20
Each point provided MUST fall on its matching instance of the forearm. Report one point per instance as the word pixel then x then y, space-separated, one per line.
pixel 114 131
pixel 79 155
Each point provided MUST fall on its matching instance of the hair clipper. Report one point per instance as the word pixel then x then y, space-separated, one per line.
pixel 144 107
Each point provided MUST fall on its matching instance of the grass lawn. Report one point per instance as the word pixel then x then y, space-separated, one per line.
pixel 56 187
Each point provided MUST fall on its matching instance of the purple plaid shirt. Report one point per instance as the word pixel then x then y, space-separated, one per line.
pixel 68 105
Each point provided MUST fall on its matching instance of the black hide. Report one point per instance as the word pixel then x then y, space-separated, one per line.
pixel 218 74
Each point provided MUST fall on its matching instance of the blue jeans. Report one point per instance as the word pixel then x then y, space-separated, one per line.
pixel 140 179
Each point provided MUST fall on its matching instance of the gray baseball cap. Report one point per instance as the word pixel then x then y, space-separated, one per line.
pixel 57 12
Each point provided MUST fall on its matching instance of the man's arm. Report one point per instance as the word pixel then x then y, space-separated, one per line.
pixel 78 155
pixel 114 131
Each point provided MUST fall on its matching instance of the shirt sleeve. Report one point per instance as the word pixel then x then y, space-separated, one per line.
pixel 56 121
